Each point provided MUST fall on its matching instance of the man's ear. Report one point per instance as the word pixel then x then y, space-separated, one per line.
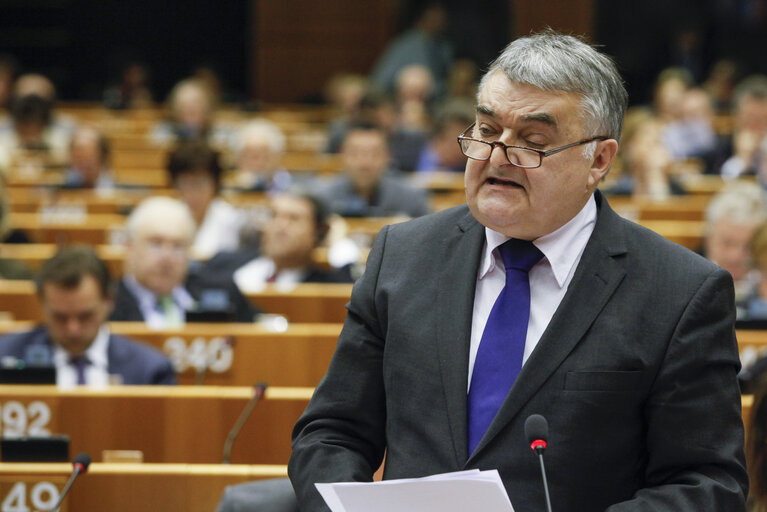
pixel 604 154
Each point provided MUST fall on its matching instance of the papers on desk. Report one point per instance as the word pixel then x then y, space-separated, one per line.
pixel 448 492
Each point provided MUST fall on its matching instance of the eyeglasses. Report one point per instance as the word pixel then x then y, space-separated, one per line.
pixel 527 158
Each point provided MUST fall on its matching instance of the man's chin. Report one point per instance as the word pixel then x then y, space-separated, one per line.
pixel 75 349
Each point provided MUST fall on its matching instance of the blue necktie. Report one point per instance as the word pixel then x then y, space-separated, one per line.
pixel 80 363
pixel 499 357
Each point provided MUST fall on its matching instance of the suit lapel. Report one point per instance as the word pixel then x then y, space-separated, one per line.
pixel 596 278
pixel 454 303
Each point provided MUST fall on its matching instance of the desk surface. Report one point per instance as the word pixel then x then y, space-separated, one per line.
pixel 129 487
pixel 187 424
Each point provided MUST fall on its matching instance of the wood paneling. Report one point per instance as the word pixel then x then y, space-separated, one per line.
pixel 299 45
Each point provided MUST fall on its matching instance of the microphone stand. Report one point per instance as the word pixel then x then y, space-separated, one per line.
pixel 257 394
pixel 539 451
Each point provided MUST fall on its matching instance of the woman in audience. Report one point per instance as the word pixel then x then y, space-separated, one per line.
pixel 195 171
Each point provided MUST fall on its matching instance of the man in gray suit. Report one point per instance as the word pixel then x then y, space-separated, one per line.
pixel 628 349
pixel 367 188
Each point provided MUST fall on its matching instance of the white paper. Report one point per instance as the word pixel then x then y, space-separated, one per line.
pixel 447 492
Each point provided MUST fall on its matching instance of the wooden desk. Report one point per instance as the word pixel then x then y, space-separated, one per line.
pixel 684 208
pixel 127 487
pixel 33 255
pixel 306 302
pixel 19 299
pixel 167 423
pixel 241 354
pixel 687 233
pixel 78 228
pixel 35 200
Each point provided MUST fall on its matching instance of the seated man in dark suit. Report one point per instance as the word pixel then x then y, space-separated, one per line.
pixel 158 287
pixel 298 224
pixel 365 189
pixel 74 288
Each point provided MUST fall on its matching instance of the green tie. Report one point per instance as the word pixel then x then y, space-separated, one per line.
pixel 168 307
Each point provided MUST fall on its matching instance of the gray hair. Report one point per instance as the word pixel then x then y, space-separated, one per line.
pixel 160 209
pixel 262 130
pixel 741 202
pixel 753 86
pixel 557 62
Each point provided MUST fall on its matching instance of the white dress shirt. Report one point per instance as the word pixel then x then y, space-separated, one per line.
pixel 219 230
pixel 254 275
pixel 549 278
pixel 96 372
pixel 154 315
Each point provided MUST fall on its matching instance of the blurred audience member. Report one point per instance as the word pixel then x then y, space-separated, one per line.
pixel 414 95
pixel 344 93
pixel 749 127
pixel 76 296
pixel 645 163
pixel 89 161
pixel 423 44
pixel 195 171
pixel 298 225
pixel 732 217
pixel 443 152
pixel 692 135
pixel 720 84
pixel 157 286
pixel 365 189
pixel 405 144
pixel 132 90
pixel 192 117
pixel 463 80
pixel 669 90
pixel 34 137
pixel 754 306
pixel 259 153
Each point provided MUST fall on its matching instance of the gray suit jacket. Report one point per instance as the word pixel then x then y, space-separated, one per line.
pixel 394 196
pixel 636 374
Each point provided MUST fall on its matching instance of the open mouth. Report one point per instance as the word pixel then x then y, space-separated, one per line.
pixel 503 182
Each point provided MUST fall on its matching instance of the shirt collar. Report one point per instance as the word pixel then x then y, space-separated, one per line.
pixel 561 248
pixel 96 354
pixel 148 300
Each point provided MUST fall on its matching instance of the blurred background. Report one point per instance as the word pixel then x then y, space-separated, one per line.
pixel 270 51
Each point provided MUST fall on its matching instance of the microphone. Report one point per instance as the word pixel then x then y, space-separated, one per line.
pixel 537 431
pixel 80 465
pixel 258 392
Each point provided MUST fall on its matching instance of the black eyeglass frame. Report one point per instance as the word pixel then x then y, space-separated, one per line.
pixel 541 153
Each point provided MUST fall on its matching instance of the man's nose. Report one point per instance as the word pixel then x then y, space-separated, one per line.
pixel 73 326
pixel 499 157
